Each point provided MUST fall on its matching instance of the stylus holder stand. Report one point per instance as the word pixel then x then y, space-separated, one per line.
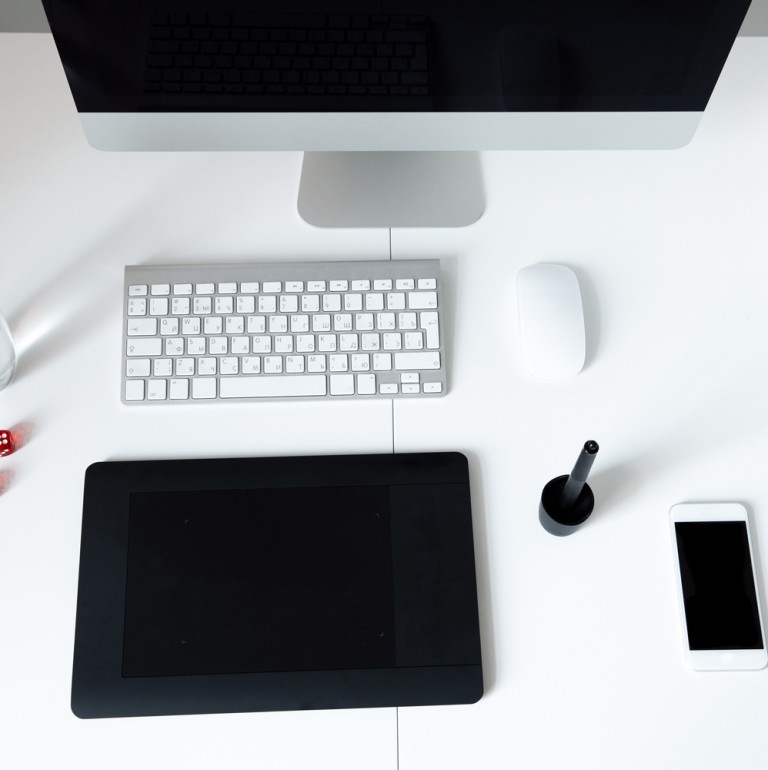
pixel 558 520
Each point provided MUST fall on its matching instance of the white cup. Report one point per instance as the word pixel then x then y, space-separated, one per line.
pixel 7 354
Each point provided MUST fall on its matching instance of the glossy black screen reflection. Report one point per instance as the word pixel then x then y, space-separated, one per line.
pixel 393 55
pixel 237 581
pixel 718 586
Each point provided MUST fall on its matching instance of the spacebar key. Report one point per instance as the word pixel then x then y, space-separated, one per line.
pixel 272 387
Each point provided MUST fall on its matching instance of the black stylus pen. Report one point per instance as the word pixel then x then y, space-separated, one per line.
pixel 578 477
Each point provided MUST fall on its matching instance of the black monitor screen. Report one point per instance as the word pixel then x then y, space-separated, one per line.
pixel 361 55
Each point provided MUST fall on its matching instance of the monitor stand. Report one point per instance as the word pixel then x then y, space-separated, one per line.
pixel 391 189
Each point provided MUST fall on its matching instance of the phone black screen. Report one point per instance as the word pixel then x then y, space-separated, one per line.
pixel 718 584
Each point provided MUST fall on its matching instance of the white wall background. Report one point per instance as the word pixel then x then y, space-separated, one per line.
pixel 28 16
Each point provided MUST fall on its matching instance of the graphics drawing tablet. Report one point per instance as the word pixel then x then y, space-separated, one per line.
pixel 263 584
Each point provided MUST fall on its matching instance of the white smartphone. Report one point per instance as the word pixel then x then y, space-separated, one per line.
pixel 719 602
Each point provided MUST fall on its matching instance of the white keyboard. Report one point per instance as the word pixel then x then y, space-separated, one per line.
pixel 369 329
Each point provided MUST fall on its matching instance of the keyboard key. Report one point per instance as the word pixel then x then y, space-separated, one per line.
pixel 366 384
pixel 321 323
pixel 382 362
pixel 206 366
pixel 204 387
pixel 348 342
pixel 223 305
pixel 178 389
pixel 150 346
pixel 229 365
pixel 162 367
pixel 370 342
pixel 338 363
pixel 251 365
pixel 268 304
pixel 158 306
pixel 422 300
pixel 137 367
pixel 429 322
pixel 316 363
pixel 342 384
pixel 169 327
pixel 273 387
pixel 331 303
pixel 385 321
pixel 246 305
pixel 413 340
pixel 142 327
pixel 137 307
pixel 202 305
pixel 180 306
pixel 156 390
pixel 240 345
pixel 310 303
pixel 353 302
pixel 392 341
pixel 294 364
pixel 417 360
pixel 134 390
pixel 364 322
pixel 184 367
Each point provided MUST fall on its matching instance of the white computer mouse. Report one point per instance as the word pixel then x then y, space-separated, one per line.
pixel 550 321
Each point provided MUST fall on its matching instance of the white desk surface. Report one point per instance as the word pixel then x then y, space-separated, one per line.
pixel 581 643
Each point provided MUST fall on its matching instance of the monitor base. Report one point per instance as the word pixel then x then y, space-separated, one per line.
pixel 391 189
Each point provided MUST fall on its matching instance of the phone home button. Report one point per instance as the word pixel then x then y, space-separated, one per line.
pixel 727 658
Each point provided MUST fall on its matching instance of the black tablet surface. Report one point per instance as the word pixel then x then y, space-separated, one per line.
pixel 268 584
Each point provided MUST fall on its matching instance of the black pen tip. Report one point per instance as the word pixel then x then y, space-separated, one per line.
pixel 591 447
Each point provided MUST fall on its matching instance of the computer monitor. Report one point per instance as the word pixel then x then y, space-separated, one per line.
pixel 390 100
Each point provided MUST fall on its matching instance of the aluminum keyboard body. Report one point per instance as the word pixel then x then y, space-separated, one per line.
pixel 208 333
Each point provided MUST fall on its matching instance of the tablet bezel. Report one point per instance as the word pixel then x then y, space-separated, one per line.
pixel 437 642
